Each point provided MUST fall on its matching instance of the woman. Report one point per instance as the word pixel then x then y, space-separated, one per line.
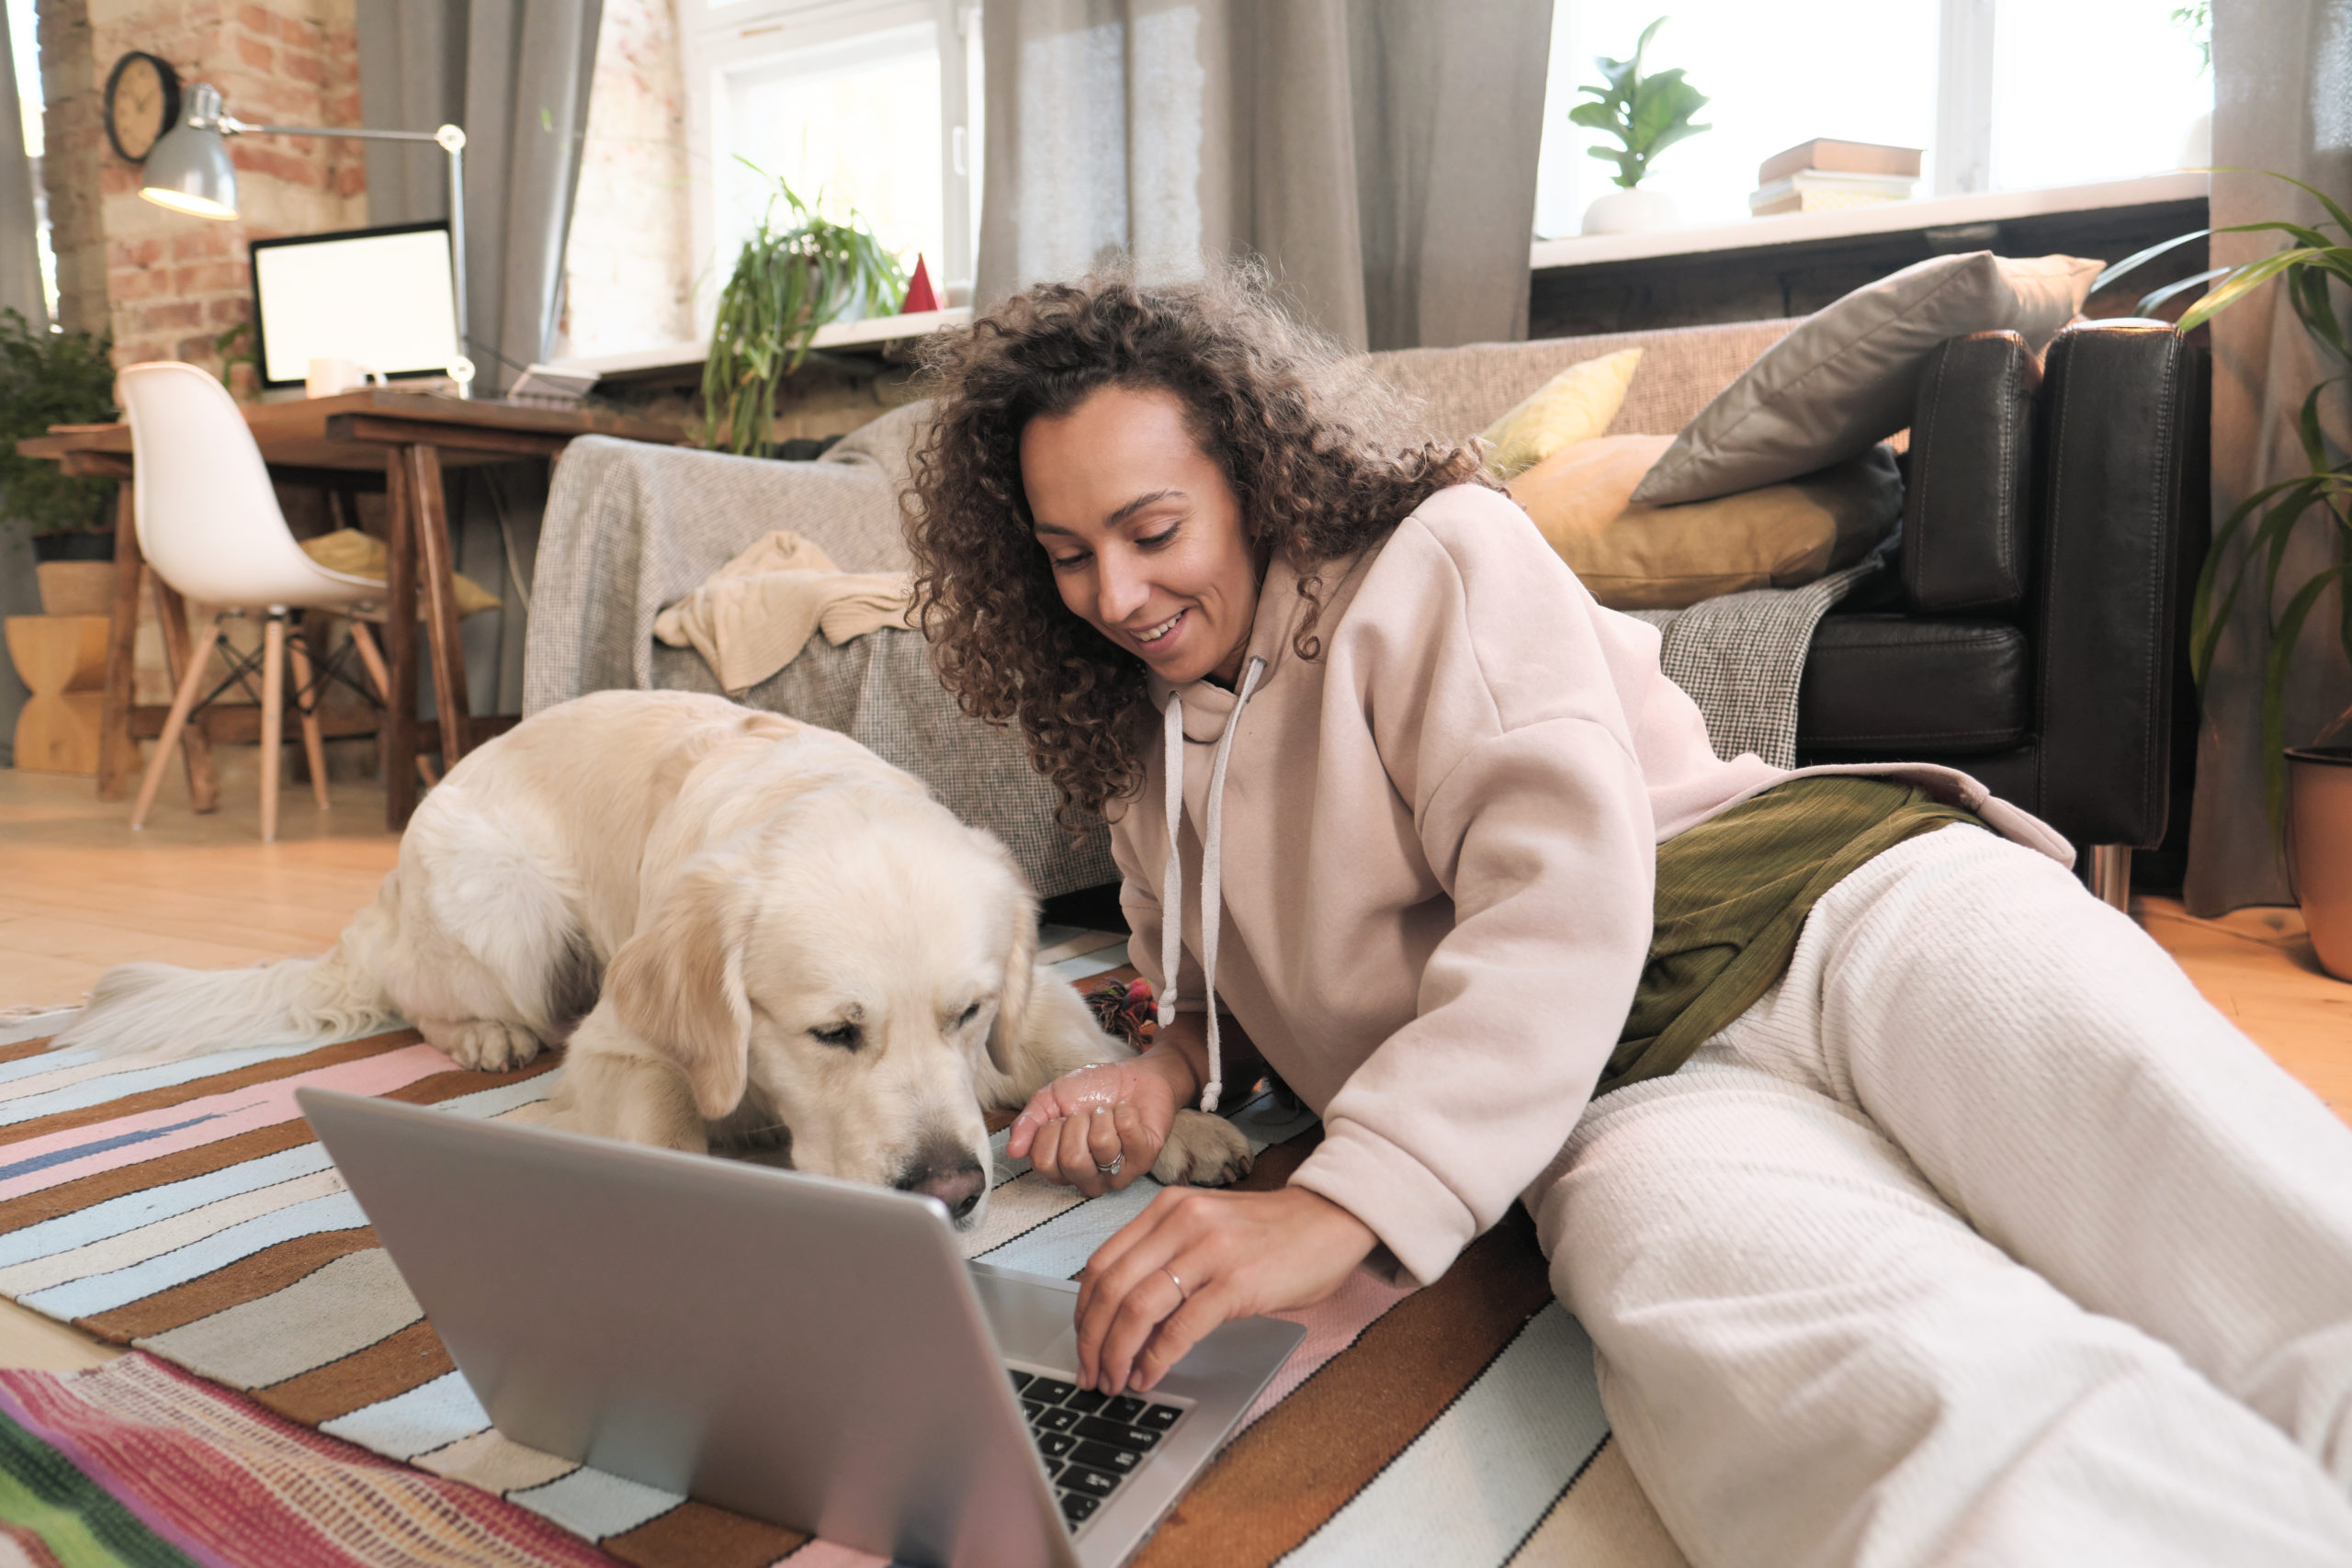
pixel 1916 1205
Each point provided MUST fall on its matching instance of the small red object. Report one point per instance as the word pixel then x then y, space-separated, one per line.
pixel 920 294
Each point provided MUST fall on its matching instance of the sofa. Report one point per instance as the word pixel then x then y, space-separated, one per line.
pixel 2026 628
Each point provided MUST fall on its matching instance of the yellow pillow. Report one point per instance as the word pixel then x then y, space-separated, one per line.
pixel 1576 405
pixel 1668 557
pixel 355 554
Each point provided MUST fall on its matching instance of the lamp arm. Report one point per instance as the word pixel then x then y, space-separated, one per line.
pixel 228 126
pixel 452 140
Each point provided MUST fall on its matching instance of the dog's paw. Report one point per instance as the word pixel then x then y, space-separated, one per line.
pixel 1202 1151
pixel 486 1045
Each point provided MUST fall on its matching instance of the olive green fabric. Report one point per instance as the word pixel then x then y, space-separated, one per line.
pixel 1734 892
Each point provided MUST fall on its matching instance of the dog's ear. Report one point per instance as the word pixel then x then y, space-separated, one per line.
pixel 678 982
pixel 1020 970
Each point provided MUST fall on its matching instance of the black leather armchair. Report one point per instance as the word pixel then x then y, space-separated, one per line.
pixel 2031 632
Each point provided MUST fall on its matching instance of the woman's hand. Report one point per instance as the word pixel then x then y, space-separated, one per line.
pixel 1195 1259
pixel 1113 1113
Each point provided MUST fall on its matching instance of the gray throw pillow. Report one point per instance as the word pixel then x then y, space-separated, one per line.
pixel 1847 378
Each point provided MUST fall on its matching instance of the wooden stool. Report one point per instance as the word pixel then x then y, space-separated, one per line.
pixel 62 661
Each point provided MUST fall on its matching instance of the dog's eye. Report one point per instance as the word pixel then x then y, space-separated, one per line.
pixel 968 1014
pixel 844 1036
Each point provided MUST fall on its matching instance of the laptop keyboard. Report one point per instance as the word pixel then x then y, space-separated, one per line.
pixel 1089 1441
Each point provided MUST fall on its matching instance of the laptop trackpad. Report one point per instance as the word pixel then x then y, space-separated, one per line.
pixel 1030 1314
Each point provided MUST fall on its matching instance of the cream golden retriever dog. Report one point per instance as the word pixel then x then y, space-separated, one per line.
pixel 751 934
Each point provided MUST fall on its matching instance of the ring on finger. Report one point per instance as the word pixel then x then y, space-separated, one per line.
pixel 1182 1293
pixel 1117 1161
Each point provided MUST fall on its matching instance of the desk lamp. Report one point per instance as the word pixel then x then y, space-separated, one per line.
pixel 188 171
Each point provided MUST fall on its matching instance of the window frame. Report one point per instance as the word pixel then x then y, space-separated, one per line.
pixel 1960 154
pixel 724 36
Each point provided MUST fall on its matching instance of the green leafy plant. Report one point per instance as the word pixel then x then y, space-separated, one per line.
pixel 2308 268
pixel 50 379
pixel 791 279
pixel 1646 114
pixel 235 347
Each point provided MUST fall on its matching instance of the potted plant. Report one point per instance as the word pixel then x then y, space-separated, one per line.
pixel 791 279
pixel 56 379
pixel 2307 790
pixel 1647 115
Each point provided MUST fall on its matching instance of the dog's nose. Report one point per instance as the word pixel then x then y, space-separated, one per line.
pixel 949 1173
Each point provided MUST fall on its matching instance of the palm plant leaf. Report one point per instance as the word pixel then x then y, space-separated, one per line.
pixel 2244 281
pixel 2288 501
pixel 2308 292
pixel 2139 257
pixel 2341 219
pixel 2151 303
pixel 789 279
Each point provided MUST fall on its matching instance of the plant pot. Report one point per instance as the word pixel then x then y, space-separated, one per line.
pixel 73 547
pixel 1630 211
pixel 75 587
pixel 2319 797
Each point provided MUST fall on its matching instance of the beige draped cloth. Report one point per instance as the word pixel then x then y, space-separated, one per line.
pixel 755 614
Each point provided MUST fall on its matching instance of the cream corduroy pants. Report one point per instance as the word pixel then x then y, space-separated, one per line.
pixel 1981 1239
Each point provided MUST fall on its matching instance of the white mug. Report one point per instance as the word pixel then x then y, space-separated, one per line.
pixel 329 377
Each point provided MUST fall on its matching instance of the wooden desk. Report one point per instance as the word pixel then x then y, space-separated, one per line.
pixel 401 440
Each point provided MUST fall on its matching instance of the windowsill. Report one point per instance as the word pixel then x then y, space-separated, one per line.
pixel 872 334
pixel 1891 218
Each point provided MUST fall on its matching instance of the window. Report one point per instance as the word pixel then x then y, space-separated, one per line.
pixel 870 105
pixel 26 58
pixel 1994 91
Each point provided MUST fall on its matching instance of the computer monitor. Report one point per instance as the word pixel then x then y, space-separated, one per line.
pixel 384 296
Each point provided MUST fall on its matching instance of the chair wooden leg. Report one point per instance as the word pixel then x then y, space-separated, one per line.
pixel 183 703
pixel 306 701
pixel 117 752
pixel 369 655
pixel 372 657
pixel 273 720
pixel 196 747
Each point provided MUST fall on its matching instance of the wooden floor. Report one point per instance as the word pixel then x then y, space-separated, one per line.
pixel 79 892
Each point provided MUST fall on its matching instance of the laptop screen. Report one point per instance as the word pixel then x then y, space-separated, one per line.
pixel 385 297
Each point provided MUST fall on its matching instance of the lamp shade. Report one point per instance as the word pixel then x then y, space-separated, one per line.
pixel 189 169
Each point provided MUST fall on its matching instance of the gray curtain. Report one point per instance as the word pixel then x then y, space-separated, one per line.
pixel 2282 101
pixel 1379 156
pixel 514 75
pixel 19 290
pixel 19 252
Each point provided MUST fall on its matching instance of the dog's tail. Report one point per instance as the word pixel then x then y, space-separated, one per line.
pixel 162 1008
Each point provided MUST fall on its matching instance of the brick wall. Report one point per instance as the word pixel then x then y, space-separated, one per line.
pixel 171 283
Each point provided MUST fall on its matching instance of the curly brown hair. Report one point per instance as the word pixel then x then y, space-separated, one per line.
pixel 1315 448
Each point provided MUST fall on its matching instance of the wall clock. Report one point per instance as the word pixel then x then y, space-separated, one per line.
pixel 142 101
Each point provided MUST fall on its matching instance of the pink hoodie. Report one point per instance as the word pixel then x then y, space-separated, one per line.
pixel 1438 846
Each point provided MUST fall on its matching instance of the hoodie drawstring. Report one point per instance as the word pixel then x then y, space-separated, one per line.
pixel 1212 872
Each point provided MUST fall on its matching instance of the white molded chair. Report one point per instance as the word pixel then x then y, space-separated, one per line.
pixel 211 526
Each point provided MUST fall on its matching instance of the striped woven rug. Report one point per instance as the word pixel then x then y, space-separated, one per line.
pixel 183 1209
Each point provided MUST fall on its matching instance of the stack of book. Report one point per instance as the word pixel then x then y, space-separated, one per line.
pixel 1822 175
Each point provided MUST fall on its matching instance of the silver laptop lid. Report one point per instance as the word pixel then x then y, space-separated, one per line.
pixel 803 1350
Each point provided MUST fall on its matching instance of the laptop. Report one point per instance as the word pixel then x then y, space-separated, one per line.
pixel 811 1352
